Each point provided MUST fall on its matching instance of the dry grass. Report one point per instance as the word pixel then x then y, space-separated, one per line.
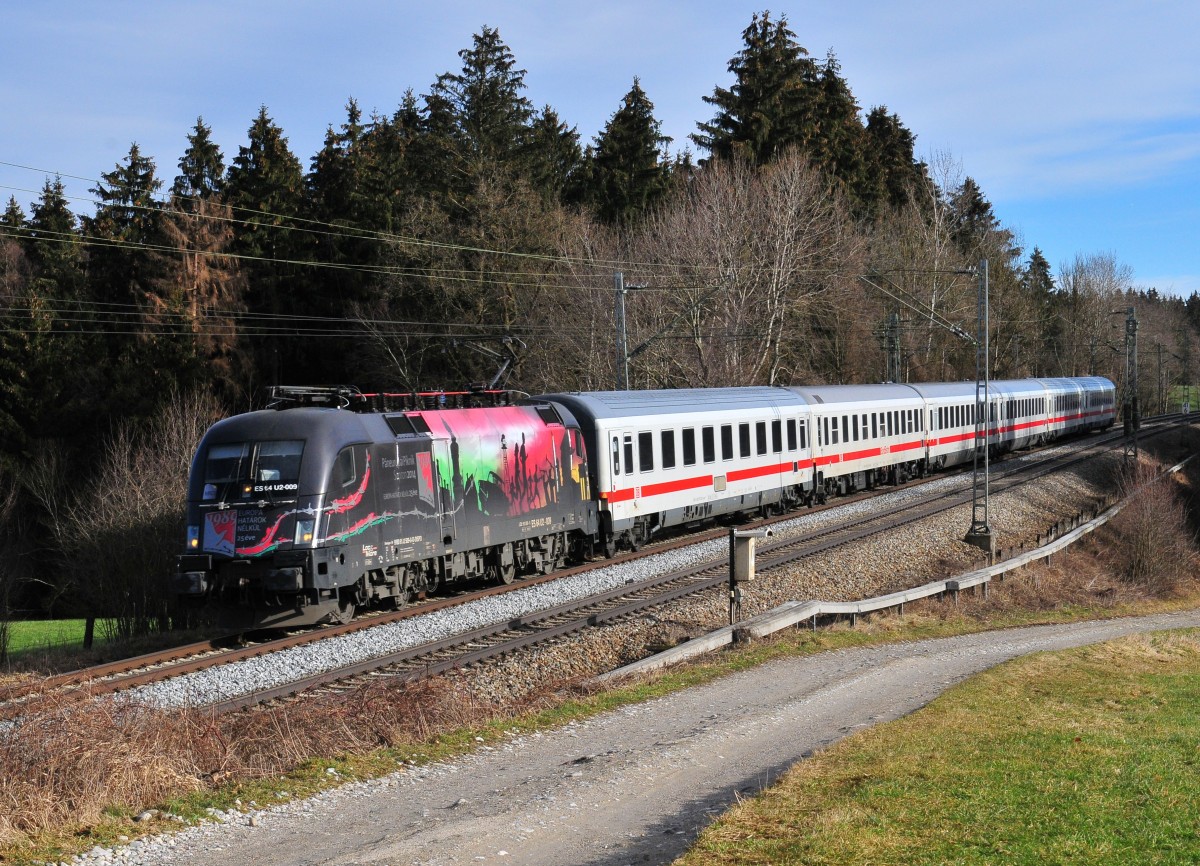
pixel 82 764
pixel 84 769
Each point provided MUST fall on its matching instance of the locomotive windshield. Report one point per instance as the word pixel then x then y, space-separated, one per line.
pixel 259 467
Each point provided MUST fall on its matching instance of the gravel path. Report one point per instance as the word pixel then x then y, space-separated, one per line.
pixel 632 786
pixel 636 785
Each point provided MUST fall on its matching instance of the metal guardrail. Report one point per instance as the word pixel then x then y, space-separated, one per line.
pixel 793 613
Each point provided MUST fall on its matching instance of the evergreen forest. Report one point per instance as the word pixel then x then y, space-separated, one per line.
pixel 469 236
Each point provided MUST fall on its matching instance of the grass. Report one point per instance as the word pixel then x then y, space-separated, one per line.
pixel 187 763
pixel 1084 756
pixel 77 777
pixel 38 635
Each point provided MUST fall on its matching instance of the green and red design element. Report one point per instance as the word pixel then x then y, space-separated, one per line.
pixel 505 461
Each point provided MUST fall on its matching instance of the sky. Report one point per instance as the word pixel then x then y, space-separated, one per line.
pixel 1079 121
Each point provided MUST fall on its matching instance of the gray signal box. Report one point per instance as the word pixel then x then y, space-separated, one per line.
pixel 741 565
pixel 741 553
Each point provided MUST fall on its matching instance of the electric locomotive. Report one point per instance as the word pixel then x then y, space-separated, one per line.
pixel 304 512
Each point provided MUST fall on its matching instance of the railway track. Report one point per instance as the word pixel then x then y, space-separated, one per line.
pixel 521 632
pixel 492 641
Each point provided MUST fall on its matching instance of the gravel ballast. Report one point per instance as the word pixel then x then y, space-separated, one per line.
pixel 877 565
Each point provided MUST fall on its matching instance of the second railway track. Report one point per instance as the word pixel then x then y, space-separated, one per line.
pixel 514 633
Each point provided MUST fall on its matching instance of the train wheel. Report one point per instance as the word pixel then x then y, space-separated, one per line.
pixel 503 566
pixel 344 612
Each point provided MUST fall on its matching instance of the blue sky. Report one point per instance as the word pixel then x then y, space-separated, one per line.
pixel 1080 121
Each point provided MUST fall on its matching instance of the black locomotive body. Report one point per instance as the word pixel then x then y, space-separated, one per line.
pixel 301 515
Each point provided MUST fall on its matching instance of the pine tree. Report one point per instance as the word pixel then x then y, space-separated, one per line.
pixel 491 118
pixel 773 102
pixel 194 309
pixel 974 221
pixel 346 219
pixel 630 170
pixel 554 156
pixel 54 246
pixel 333 180
pixel 892 176
pixel 13 217
pixel 201 168
pixel 392 164
pixel 265 188
pixel 52 364
pixel 1038 283
pixel 14 263
pixel 127 217
pixel 836 145
pixel 1038 279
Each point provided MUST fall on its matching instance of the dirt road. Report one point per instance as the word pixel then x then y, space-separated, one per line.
pixel 633 786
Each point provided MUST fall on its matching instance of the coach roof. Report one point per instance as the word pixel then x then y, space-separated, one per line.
pixel 623 404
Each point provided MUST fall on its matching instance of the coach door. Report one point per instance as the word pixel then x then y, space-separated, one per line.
pixel 620 460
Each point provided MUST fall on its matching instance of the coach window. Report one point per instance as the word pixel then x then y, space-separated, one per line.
pixel 628 453
pixel 616 463
pixel 744 439
pixel 777 436
pixel 855 427
pixel 709 443
pixel 646 451
pixel 874 425
pixel 791 428
pixel 760 436
pixel 834 440
pixel 803 436
pixel 726 441
pixel 689 446
pixel 668 449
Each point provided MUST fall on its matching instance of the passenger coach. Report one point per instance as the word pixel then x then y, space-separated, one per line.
pixel 666 458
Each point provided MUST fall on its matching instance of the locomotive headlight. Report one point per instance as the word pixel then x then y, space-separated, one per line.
pixel 304 531
pixel 193 537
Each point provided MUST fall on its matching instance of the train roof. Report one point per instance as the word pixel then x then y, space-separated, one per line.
pixel 621 404
pixel 336 425
pixel 834 394
pixel 1089 383
pixel 966 390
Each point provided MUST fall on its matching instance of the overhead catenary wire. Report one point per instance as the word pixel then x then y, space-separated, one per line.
pixel 298 223
pixel 341 230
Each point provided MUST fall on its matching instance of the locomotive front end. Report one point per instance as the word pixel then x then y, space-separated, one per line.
pixel 256 498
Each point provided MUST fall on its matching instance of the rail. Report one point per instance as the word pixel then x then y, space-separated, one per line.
pixel 794 613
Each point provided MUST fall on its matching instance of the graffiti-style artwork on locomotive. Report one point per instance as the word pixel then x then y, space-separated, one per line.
pixel 507 462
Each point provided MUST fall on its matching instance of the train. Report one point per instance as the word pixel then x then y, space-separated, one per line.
pixel 331 500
